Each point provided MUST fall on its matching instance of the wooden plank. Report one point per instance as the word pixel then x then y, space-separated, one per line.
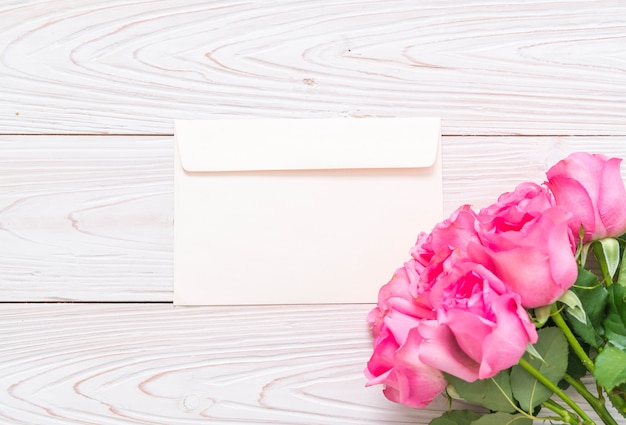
pixel 150 364
pixel 89 218
pixel 86 218
pixel 477 170
pixel 495 67
pixel 97 364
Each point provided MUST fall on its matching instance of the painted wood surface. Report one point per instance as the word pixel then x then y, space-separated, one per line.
pixel 129 364
pixel 488 67
pixel 89 92
pixel 89 218
pixel 86 218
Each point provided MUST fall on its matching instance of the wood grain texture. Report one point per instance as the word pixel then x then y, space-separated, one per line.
pixel 495 67
pixel 147 364
pixel 86 218
pixel 90 218
pixel 73 364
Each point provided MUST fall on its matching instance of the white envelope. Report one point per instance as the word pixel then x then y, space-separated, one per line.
pixel 294 211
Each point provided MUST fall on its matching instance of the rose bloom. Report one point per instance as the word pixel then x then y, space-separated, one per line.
pixel 454 232
pixel 404 302
pixel 432 252
pixel 481 327
pixel 526 242
pixel 441 312
pixel 476 328
pixel 406 379
pixel 591 187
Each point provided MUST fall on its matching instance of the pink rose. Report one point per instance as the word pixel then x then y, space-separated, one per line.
pixel 405 302
pixel 514 210
pixel 453 233
pixel 406 379
pixel 481 327
pixel 591 187
pixel 447 242
pixel 526 242
pixel 395 295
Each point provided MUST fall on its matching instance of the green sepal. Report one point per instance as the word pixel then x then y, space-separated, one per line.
pixel 541 315
pixel 574 306
pixel 530 349
pixel 584 253
pixel 610 248
pixel 621 274
pixel 594 298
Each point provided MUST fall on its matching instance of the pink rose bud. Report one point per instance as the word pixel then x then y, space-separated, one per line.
pixel 591 187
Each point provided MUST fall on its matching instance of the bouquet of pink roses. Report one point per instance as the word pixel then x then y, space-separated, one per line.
pixel 501 309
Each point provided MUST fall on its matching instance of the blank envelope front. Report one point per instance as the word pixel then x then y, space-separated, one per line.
pixel 300 211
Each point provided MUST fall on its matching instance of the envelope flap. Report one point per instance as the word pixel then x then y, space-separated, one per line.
pixel 300 144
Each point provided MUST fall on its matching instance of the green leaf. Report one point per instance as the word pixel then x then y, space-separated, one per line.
pixel 610 368
pixel 494 394
pixel 552 346
pixel 456 417
pixel 502 419
pixel 618 399
pixel 610 248
pixel 615 321
pixel 593 297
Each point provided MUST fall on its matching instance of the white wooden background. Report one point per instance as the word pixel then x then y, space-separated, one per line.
pixel 89 89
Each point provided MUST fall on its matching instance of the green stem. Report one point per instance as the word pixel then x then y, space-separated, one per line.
pixel 528 367
pixel 564 414
pixel 596 403
pixel 558 320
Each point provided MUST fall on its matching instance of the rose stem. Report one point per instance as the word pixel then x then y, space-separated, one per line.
pixel 571 338
pixel 595 403
pixel 556 390
pixel 565 415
